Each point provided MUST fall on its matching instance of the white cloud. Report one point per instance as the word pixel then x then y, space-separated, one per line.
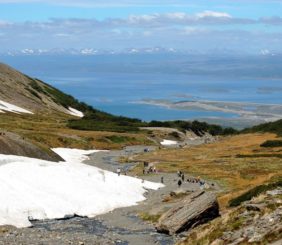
pixel 177 15
pixel 176 30
pixel 213 14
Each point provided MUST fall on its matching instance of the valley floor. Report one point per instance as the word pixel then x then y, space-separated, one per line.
pixel 121 226
pixel 234 162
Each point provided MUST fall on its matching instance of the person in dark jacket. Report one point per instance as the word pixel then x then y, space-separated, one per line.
pixel 179 183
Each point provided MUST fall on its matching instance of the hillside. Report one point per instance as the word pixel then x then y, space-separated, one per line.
pixel 30 94
pixel 36 115
pixel 257 220
pixel 271 127
pixel 47 117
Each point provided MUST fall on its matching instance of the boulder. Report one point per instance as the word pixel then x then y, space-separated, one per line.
pixel 193 210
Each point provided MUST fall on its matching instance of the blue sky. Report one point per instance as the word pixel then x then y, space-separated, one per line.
pixel 238 25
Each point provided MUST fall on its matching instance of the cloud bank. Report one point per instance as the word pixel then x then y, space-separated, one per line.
pixel 176 29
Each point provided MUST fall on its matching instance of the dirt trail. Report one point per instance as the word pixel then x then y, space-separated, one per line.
pixel 125 224
pixel 121 227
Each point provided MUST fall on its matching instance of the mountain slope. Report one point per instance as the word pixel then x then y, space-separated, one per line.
pixel 14 144
pixel 36 114
pixel 31 94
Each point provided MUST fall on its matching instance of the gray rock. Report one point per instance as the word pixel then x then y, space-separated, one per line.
pixel 275 192
pixel 195 209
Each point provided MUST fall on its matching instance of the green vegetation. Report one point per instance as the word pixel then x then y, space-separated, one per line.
pixel 103 124
pixel 271 127
pixel 254 192
pixel 258 155
pixel 100 121
pixel 119 139
pixel 35 86
pixel 150 217
pixel 197 127
pixel 272 143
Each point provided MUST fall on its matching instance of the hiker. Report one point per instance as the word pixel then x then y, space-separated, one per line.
pixel 178 173
pixel 182 177
pixel 118 171
pixel 162 179
pixel 179 183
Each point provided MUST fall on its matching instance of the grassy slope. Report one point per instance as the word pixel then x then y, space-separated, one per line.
pixel 240 218
pixel 50 130
pixel 237 163
pixel 271 127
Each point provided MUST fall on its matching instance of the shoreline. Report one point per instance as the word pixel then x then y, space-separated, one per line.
pixel 242 114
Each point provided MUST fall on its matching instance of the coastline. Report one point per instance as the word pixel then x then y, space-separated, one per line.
pixel 238 114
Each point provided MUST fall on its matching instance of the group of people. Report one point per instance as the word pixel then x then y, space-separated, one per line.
pixel 196 180
pixel 181 179
pixel 149 170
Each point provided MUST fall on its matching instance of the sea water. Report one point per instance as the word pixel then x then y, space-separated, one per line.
pixel 119 84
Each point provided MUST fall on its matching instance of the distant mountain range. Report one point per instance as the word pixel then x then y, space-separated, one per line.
pixel 153 50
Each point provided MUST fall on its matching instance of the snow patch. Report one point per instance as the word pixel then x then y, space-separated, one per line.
pixel 74 155
pixel 75 112
pixel 37 189
pixel 168 142
pixel 4 106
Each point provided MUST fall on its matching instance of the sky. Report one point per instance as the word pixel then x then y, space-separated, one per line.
pixel 252 26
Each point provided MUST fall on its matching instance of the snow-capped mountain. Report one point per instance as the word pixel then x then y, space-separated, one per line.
pixel 89 51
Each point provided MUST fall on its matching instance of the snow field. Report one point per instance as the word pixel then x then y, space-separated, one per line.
pixel 38 189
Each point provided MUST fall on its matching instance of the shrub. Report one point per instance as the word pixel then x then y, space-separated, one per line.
pixel 272 143
pixel 271 127
pixel 253 193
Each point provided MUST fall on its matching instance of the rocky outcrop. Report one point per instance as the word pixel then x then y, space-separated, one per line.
pixel 13 144
pixel 258 221
pixel 195 209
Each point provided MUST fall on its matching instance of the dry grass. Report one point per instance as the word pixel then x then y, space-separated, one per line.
pixel 49 131
pixel 237 163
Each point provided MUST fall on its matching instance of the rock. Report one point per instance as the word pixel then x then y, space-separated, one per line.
pixel 254 207
pixel 193 210
pixel 275 192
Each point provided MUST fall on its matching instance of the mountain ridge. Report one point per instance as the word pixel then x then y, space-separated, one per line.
pixel 31 94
